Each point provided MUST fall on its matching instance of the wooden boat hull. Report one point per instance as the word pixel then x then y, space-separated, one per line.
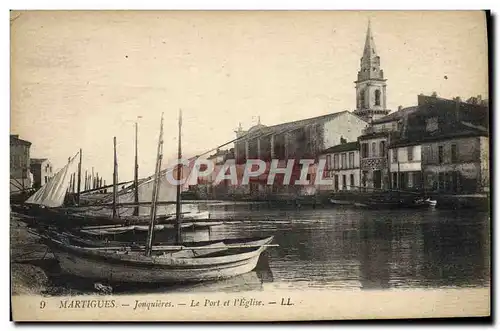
pixel 391 205
pixel 122 268
pixel 341 202
pixel 79 266
pixel 68 218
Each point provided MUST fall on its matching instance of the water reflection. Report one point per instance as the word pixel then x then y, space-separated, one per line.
pixel 348 248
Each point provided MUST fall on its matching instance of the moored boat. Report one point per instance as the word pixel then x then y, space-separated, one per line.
pixel 341 202
pixel 163 266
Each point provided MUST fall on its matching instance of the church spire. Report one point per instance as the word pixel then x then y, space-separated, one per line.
pixel 370 62
pixel 369 50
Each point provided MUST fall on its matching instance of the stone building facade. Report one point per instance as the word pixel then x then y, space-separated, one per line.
pixel 299 139
pixel 454 136
pixel 42 172
pixel 342 166
pixel 405 166
pixel 303 139
pixel 20 175
pixel 456 165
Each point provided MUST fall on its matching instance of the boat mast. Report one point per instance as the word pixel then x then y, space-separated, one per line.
pixel 115 177
pixel 178 236
pixel 79 180
pixel 154 198
pixel 136 177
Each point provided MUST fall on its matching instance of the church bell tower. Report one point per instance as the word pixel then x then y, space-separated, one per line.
pixel 370 85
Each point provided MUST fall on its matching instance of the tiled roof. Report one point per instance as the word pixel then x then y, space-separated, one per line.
pixel 464 129
pixel 351 146
pixel 36 161
pixel 290 126
pixel 373 135
pixel 397 115
pixel 14 139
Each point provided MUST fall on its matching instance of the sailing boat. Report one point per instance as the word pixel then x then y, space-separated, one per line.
pixel 51 195
pixel 153 264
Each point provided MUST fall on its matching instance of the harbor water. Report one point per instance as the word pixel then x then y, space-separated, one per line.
pixel 344 248
pixel 347 248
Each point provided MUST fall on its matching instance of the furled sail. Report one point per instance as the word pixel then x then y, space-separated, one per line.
pixel 52 194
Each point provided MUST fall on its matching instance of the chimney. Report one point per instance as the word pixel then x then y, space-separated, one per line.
pixel 400 107
pixel 457 109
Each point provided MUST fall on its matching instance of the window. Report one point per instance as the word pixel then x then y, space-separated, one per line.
pixel 440 154
pixel 382 148
pixel 364 150
pixel 366 98
pixel 344 182
pixel 410 153
pixel 395 155
pixel 364 178
pixel 431 124
pixel 353 184
pixel 441 181
pixel 374 149
pixel 336 182
pixel 335 161
pixel 343 161
pixel 46 179
pixel 453 153
pixel 394 180
pixel 362 99
pixel 328 162
pixel 377 97
pixel 351 159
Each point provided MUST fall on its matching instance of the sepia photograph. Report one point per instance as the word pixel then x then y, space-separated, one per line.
pixel 249 165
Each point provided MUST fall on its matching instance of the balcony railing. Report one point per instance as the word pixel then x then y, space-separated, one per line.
pixel 372 129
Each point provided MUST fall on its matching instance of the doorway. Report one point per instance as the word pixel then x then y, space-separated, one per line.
pixel 377 179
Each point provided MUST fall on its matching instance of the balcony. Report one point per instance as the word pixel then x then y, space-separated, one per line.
pixel 374 163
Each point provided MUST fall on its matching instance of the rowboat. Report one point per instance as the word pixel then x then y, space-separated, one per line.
pixel 176 264
pixel 391 204
pixel 341 202
pixel 430 202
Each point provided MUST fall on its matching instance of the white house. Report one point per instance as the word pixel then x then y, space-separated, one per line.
pixel 342 166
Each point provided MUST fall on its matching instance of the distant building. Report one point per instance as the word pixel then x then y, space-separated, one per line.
pixel 299 139
pixel 42 172
pixel 374 156
pixel 20 176
pixel 454 136
pixel 405 165
pixel 303 139
pixel 342 165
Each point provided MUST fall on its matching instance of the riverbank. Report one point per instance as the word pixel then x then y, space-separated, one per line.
pixel 34 270
pixel 26 255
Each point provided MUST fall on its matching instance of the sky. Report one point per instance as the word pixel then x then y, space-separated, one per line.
pixel 80 78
